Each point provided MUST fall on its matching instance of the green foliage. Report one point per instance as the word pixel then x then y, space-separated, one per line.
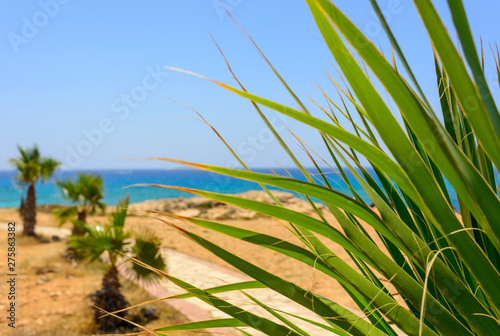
pixel 118 217
pixel 444 267
pixel 147 248
pixel 116 242
pixel 87 194
pixel 32 167
pixel 65 214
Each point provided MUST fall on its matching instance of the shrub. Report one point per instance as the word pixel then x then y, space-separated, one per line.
pixel 114 241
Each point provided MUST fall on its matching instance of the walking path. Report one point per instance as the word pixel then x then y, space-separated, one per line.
pixel 203 274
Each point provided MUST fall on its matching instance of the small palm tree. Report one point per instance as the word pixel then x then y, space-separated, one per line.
pixel 114 241
pixel 31 168
pixel 86 193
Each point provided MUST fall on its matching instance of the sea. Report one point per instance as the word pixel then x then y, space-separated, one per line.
pixel 120 183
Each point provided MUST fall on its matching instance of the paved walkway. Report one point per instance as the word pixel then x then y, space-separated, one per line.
pixel 203 274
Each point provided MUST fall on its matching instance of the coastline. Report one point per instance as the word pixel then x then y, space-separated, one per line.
pixel 118 184
pixel 197 206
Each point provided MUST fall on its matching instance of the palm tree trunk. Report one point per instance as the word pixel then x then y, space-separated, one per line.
pixel 110 299
pixel 22 208
pixel 30 212
pixel 82 217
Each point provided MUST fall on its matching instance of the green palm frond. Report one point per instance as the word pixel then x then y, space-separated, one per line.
pixel 31 166
pixel 99 239
pixel 47 167
pixel 444 268
pixel 118 217
pixel 86 192
pixel 98 207
pixel 147 249
pixel 69 188
pixel 65 214
pixel 114 240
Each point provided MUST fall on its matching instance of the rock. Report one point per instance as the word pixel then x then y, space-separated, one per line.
pixel 217 213
pixel 55 294
pixel 44 240
pixel 214 210
pixel 45 270
pixel 43 280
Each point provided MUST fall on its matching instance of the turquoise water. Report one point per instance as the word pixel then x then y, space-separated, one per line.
pixel 116 181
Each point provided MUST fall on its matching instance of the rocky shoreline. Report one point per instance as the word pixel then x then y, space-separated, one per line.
pixel 214 210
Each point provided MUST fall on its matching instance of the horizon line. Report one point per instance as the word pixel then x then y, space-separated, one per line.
pixel 181 168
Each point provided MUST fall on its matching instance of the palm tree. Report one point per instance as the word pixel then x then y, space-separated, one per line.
pixel 31 168
pixel 87 194
pixel 114 241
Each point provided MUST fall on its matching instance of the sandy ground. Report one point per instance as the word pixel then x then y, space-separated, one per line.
pixel 52 296
pixel 280 265
pixel 47 290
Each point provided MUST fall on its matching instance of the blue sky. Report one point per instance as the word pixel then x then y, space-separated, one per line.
pixel 85 79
